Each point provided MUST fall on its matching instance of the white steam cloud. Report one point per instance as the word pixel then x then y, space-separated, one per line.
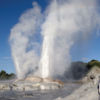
pixel 65 21
pixel 24 46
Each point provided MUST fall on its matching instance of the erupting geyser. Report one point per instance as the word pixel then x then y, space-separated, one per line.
pixel 45 60
pixel 41 41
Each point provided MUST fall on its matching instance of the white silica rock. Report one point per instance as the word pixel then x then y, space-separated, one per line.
pixel 85 92
pixel 32 83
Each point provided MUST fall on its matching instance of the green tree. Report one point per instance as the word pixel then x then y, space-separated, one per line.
pixel 4 75
pixel 93 63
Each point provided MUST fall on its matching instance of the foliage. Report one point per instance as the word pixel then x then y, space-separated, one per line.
pixel 4 75
pixel 93 63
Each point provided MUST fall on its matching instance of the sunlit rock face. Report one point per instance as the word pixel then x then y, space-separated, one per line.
pixel 36 83
pixel 92 76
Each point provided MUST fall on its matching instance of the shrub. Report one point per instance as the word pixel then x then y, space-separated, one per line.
pixel 4 75
pixel 93 63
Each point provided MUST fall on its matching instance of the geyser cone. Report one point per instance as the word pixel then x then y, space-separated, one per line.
pixel 37 83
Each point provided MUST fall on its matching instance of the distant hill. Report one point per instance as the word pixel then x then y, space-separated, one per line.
pixel 76 71
pixel 80 69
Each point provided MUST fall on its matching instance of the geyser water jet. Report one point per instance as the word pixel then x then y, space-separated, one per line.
pixel 45 62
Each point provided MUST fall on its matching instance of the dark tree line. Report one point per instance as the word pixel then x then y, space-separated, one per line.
pixel 79 69
pixel 4 75
pixel 93 63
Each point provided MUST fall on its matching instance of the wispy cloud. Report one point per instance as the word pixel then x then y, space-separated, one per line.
pixel 24 47
pixel 6 58
pixel 85 59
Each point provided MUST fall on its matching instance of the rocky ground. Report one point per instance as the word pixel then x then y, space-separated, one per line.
pixel 85 92
pixel 39 95
pixel 71 91
pixel 84 89
pixel 89 90
pixel 32 83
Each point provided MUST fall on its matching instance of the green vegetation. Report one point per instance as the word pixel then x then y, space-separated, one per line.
pixel 5 76
pixel 93 63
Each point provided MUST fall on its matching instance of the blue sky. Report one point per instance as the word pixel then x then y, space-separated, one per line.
pixel 88 50
pixel 10 11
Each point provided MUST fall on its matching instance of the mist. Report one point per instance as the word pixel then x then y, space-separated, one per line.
pixel 59 27
pixel 24 46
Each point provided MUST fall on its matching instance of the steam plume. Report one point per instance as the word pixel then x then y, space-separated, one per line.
pixel 65 21
pixel 23 43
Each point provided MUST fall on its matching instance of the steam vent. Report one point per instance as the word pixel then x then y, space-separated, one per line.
pixel 33 83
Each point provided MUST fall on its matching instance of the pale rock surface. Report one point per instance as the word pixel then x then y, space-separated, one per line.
pixel 88 91
pixel 92 76
pixel 33 83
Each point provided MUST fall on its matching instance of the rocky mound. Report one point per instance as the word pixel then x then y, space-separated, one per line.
pixel 36 79
pixel 92 75
pixel 33 83
pixel 88 91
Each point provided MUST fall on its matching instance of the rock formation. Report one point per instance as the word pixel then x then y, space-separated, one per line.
pixel 33 83
pixel 88 91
